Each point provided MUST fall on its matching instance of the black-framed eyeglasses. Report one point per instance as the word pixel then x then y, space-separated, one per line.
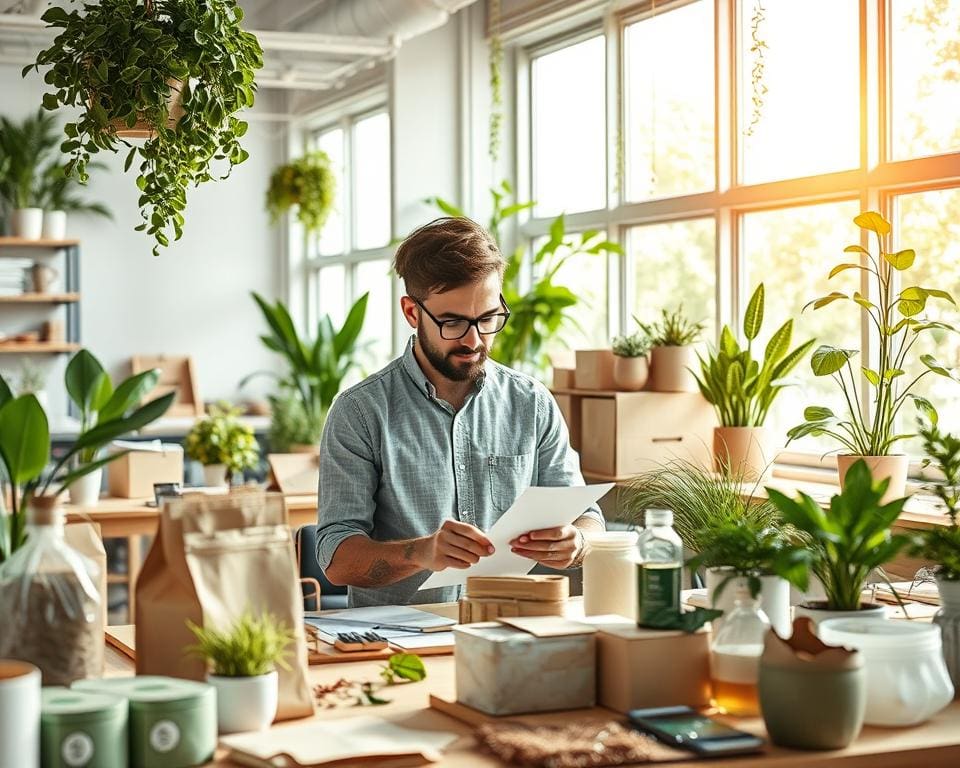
pixel 457 328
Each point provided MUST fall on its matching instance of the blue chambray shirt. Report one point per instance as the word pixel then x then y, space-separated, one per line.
pixel 396 461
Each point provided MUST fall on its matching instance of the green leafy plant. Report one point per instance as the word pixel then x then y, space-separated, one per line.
pixel 221 438
pixel 316 367
pixel 25 148
pixel 404 667
pixel 307 183
pixel 250 647
pixel 290 424
pixel 740 388
pixel 849 541
pixel 106 414
pixel 895 318
pixel 941 543
pixel 673 329
pixel 129 65
pixel 632 345
pixel 57 193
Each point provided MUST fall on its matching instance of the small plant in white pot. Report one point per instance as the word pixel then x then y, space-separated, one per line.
pixel 222 444
pixel 630 363
pixel 57 198
pixel 672 357
pixel 742 389
pixel 243 659
pixel 896 320
pixel 24 148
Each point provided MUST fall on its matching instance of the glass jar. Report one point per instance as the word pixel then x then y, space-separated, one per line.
pixel 659 566
pixel 609 574
pixel 735 656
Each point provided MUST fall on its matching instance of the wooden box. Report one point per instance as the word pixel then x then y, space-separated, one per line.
pixel 594 369
pixel 490 597
pixel 132 475
pixel 570 408
pixel 563 378
pixel 624 433
pixel 176 375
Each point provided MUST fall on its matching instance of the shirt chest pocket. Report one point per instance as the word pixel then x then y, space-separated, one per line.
pixel 509 476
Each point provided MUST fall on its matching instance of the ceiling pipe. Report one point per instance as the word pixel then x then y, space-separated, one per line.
pixel 380 18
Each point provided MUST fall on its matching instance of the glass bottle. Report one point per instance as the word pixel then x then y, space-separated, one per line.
pixel 735 656
pixel 659 568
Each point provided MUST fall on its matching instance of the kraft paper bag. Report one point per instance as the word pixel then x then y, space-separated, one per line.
pixel 215 557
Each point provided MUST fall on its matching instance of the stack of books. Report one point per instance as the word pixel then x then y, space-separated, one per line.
pixel 13 276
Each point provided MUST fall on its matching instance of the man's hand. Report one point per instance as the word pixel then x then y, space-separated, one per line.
pixel 555 547
pixel 455 545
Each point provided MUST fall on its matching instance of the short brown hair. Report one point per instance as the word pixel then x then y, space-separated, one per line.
pixel 447 253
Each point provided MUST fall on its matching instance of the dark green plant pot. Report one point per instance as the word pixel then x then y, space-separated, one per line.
pixel 810 708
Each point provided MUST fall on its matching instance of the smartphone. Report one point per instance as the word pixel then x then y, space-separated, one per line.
pixel 163 489
pixel 686 728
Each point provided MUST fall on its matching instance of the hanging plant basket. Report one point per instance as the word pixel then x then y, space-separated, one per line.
pixel 142 128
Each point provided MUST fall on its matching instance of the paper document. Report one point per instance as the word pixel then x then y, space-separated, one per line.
pixel 400 620
pixel 535 509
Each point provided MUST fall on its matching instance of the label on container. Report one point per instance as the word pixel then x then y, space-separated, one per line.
pixel 77 750
pixel 164 736
pixel 658 591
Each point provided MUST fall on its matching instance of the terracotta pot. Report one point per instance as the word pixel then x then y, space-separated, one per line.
pixel 143 129
pixel 670 369
pixel 744 450
pixel 895 467
pixel 630 373
pixel 305 448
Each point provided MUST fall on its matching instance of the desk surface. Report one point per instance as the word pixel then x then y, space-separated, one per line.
pixel 935 744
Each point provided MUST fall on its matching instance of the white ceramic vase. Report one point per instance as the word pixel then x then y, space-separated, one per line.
pixel 215 475
pixel 19 714
pixel 774 599
pixel 85 491
pixel 245 703
pixel 27 223
pixel 54 225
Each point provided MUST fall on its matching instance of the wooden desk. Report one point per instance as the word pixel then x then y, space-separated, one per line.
pixel 131 519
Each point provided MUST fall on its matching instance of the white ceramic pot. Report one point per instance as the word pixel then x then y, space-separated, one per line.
pixel 85 491
pixel 816 614
pixel 774 599
pixel 630 373
pixel 54 225
pixel 893 467
pixel 670 369
pixel 215 475
pixel 19 714
pixel 27 223
pixel 744 450
pixel 245 703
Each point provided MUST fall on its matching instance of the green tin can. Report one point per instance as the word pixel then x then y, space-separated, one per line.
pixel 172 722
pixel 82 729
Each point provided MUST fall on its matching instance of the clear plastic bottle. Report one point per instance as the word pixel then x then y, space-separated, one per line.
pixel 735 656
pixel 659 569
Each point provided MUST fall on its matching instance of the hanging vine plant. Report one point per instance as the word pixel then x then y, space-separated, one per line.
pixel 174 72
pixel 307 183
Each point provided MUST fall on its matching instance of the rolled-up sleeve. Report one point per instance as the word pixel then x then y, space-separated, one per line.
pixel 558 463
pixel 349 476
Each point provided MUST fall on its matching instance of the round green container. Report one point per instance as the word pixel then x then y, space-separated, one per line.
pixel 173 723
pixel 80 729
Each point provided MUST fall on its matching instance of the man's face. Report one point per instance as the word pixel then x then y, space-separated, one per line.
pixel 456 359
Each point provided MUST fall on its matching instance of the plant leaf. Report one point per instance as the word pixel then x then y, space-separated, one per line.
pixel 826 359
pixel 872 221
pixel 24 439
pixel 753 317
pixel 408 666
pixel 901 259
pixel 925 407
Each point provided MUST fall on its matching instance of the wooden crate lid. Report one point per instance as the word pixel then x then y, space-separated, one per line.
pixel 530 587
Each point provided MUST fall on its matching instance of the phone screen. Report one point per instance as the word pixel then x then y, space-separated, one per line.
pixel 693 727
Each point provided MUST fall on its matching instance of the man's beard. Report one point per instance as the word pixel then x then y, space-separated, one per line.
pixel 446 366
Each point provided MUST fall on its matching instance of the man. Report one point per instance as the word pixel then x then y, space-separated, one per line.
pixel 421 458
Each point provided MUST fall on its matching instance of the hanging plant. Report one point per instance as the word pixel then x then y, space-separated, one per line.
pixel 174 72
pixel 757 47
pixel 308 183
pixel 496 82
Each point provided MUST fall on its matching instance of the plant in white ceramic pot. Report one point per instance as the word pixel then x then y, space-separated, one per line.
pixel 630 363
pixel 243 659
pixel 847 543
pixel 56 196
pixel 671 357
pixel 24 149
pixel 742 389
pixel 222 444
pixel 896 319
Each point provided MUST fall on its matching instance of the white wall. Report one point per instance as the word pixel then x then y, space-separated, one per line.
pixel 192 299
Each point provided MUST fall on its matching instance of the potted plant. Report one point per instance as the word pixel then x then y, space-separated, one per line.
pixel 307 183
pixel 243 660
pixel 57 200
pixel 316 367
pixel 630 367
pixel 223 444
pixel 742 389
pixel 24 148
pixel 896 319
pixel 33 381
pixel 847 542
pixel 941 543
pixel 173 73
pixel 292 429
pixel 672 356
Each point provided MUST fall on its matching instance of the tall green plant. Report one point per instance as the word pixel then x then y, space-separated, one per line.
pixel 25 149
pixel 896 320
pixel 941 543
pixel 740 388
pixel 57 190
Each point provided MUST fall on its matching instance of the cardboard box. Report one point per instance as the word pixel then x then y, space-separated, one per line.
pixel 629 432
pixel 594 369
pixel 132 476
pixel 639 667
pixel 563 378
pixel 491 597
pixel 526 664
pixel 570 409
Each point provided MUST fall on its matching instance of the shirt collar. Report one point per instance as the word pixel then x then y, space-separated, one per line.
pixel 415 372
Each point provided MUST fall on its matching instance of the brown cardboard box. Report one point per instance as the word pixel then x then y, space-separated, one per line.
pixel 639 667
pixel 594 369
pixel 570 408
pixel 629 432
pixel 563 378
pixel 132 476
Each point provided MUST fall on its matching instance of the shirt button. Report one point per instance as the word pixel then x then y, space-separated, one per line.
pixel 462 465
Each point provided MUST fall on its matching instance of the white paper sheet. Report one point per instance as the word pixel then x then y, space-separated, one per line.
pixel 423 640
pixel 379 614
pixel 535 509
